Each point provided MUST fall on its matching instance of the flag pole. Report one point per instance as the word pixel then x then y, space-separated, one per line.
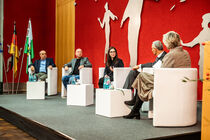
pixel 21 65
pixel 13 77
pixel 5 73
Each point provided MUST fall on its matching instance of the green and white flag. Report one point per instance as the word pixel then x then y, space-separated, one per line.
pixel 29 45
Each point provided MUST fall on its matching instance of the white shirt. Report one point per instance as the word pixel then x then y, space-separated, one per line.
pixel 156 65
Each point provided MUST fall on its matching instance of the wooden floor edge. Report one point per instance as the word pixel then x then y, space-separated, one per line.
pixel 31 127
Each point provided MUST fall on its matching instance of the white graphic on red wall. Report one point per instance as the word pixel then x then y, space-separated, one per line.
pixel 133 12
pixel 181 1
pixel 106 22
pixel 203 36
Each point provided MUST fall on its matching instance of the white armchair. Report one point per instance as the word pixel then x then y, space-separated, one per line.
pixel 174 101
pixel 52 76
pixel 119 75
pixel 85 78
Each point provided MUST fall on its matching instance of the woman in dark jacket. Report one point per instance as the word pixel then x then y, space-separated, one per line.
pixel 112 61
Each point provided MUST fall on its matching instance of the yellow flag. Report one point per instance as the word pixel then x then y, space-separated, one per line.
pixel 14 52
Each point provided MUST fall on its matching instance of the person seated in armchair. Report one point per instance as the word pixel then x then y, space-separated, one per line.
pixel 112 61
pixel 144 83
pixel 39 67
pixel 77 63
pixel 157 50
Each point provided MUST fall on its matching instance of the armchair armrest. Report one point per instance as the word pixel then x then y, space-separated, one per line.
pixel 52 76
pixel 148 70
pixel 120 75
pixel 64 73
pixel 101 72
pixel 86 76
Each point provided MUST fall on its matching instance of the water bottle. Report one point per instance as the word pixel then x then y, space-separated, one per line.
pixel 107 82
pixel 30 78
pixel 73 82
pixel 34 78
pixel 104 83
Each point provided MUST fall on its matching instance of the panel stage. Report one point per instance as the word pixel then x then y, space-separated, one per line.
pixel 81 123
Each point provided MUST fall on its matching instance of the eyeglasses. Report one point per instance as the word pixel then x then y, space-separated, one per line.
pixel 42 53
pixel 112 51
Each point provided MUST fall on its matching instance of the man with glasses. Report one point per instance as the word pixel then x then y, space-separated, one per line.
pixel 39 67
pixel 157 50
pixel 76 64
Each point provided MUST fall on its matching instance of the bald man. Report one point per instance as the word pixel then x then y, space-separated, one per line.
pixel 39 67
pixel 77 63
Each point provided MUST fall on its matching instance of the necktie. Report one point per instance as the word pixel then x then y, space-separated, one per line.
pixel 157 58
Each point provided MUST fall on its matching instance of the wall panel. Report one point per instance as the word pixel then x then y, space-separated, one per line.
pixel 65 34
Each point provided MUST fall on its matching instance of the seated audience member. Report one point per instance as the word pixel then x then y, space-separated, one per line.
pixel 144 83
pixel 39 67
pixel 157 50
pixel 76 64
pixel 112 61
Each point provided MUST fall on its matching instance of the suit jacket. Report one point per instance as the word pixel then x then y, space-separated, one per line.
pixel 36 64
pixel 177 58
pixel 156 60
pixel 84 61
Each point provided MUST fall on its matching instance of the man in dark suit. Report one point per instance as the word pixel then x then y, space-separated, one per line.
pixel 157 50
pixel 39 67
pixel 76 64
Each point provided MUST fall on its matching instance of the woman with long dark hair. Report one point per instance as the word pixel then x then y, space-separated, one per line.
pixel 112 61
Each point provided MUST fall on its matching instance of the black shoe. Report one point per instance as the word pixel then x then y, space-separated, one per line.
pixel 130 103
pixel 132 115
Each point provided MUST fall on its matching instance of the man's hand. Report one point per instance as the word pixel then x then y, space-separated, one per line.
pixel 111 68
pixel 50 66
pixel 135 67
pixel 32 68
pixel 66 68
pixel 80 67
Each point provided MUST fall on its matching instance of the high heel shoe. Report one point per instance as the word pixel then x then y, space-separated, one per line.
pixel 132 115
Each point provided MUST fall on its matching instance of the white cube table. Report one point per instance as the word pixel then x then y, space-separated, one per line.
pixel 35 90
pixel 110 103
pixel 80 95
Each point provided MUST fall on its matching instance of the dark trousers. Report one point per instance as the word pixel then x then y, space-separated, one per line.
pixel 101 82
pixel 65 79
pixel 130 79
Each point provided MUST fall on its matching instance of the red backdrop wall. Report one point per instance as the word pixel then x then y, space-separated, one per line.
pixel 157 19
pixel 42 14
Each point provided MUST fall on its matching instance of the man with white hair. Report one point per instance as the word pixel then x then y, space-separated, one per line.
pixel 157 50
pixel 76 64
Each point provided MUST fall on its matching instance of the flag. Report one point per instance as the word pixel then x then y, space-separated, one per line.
pixel 29 46
pixel 14 51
